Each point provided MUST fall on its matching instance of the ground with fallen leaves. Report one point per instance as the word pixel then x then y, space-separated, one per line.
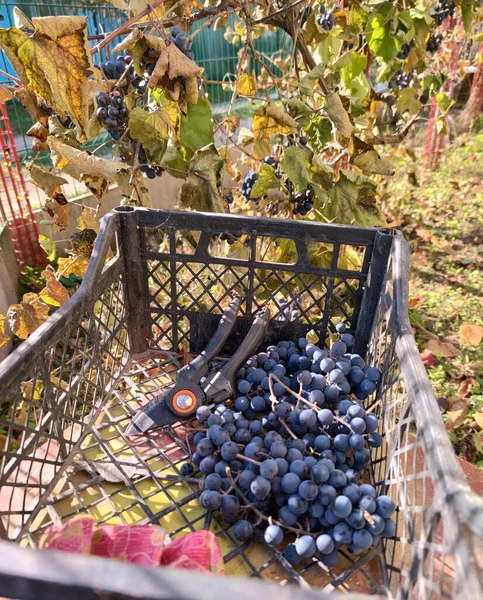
pixel 441 214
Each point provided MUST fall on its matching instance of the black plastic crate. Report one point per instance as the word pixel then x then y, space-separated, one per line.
pixel 77 381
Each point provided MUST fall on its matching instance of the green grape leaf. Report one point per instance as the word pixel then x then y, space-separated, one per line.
pixel 299 111
pixel 351 64
pixel 151 130
pixel 294 165
pixel 309 81
pixel 468 11
pixel 353 199
pixel 408 102
pixel 381 40
pixel 319 133
pixel 338 114
pixel 358 16
pixel 196 128
pixel 266 181
pixel 444 102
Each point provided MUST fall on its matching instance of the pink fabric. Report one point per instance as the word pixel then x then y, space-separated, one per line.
pixel 137 544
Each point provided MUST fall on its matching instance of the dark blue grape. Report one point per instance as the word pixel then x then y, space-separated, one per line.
pixel 211 500
pixel 273 534
pixel 243 530
pixel 212 482
pixel 305 546
pixel 286 516
pixel 186 469
pixel 342 533
pixel 308 490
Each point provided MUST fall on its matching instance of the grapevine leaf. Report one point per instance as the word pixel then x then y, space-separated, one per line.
pixel 54 293
pixel 267 180
pixel 478 417
pixel 270 120
pixel 83 242
pixel 307 83
pixel 200 192
pixel 319 133
pixel 151 130
pixel 48 246
pixel 472 333
pixel 58 209
pixel 351 64
pixel 440 348
pixel 136 45
pixel 73 266
pixel 38 131
pixel 174 72
pixel 4 337
pixel 45 180
pixel 246 85
pixel 29 101
pixel 380 39
pixel 299 111
pixel 31 391
pixel 87 220
pixel 408 102
pixel 196 128
pixel 353 199
pixel 294 164
pixel 25 317
pixel 367 159
pixel 5 94
pixel 338 114
pixel 454 418
pixel 95 172
pixel 54 63
pixel 468 10
pixel 444 102
pixel 120 4
pixel 357 16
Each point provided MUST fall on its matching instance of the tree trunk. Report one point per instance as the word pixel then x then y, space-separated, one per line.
pixel 474 106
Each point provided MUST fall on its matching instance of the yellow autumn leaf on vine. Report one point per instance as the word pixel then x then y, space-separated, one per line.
pixel 24 318
pixel 4 337
pixel 73 266
pixel 267 121
pixel 31 391
pixel 54 293
pixel 246 85
pixel 88 220
pixel 54 63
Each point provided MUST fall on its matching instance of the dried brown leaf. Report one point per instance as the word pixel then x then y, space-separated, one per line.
pixel 24 318
pixel 59 212
pixel 45 179
pixel 455 417
pixel 466 386
pixel 442 348
pixel 73 266
pixel 88 220
pixel 478 417
pixel 472 333
pixel 54 292
pixel 4 337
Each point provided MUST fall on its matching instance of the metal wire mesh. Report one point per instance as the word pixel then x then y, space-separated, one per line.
pixel 71 403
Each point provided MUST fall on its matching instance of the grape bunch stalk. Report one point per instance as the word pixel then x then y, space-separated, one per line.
pixel 287 457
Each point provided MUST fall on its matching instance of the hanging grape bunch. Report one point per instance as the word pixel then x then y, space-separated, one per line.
pixel 179 37
pixel 112 113
pixel 405 50
pixel 293 448
pixel 442 10
pixel 401 80
pixel 434 42
pixel 325 18
pixel 115 69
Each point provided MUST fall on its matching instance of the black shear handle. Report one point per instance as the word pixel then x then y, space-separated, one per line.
pixel 249 345
pixel 194 370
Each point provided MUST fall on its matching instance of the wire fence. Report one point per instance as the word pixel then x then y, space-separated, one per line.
pixel 212 52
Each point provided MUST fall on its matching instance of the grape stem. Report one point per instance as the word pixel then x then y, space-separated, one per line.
pixel 288 428
pixel 250 460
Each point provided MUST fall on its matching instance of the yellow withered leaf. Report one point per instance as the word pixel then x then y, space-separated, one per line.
pixel 54 63
pixel 267 121
pixel 73 266
pixel 246 85
pixel 45 180
pixel 54 293
pixel 4 337
pixel 24 318
pixel 88 220
pixel 31 391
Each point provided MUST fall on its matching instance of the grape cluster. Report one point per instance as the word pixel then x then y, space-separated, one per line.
pixel 303 201
pixel 325 18
pixel 405 50
pixel 401 80
pixel 114 68
pixel 442 10
pixel 112 112
pixel 434 42
pixel 293 447
pixel 178 37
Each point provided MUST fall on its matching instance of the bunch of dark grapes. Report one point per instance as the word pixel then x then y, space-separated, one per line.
pixel 303 201
pixel 325 18
pixel 401 80
pixel 151 170
pixel 296 460
pixel 434 42
pixel 112 112
pixel 405 50
pixel 247 185
pixel 442 10
pixel 115 68
pixel 304 15
pixel 178 37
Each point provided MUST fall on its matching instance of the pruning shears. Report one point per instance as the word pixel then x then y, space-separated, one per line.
pixel 194 385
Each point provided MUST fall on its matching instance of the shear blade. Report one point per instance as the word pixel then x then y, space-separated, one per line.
pixel 140 423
